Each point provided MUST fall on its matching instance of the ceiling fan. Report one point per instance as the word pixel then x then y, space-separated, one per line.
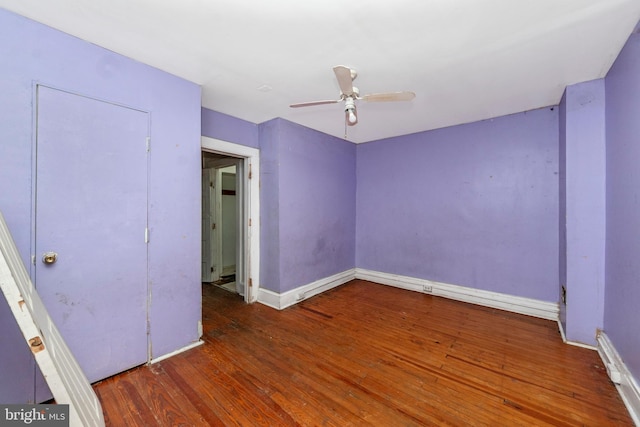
pixel 349 94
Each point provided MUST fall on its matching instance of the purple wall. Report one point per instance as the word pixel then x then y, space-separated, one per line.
pixel 270 205
pixel 473 205
pixel 40 54
pixel 562 217
pixel 583 144
pixel 227 128
pixel 307 205
pixel 622 297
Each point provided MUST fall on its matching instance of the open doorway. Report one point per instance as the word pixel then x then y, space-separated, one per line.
pixel 221 217
pixel 230 200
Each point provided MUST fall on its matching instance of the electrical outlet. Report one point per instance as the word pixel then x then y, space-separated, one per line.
pixel 427 288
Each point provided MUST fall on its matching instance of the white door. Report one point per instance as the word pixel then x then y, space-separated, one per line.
pixel 210 229
pixel 228 220
pixel 90 259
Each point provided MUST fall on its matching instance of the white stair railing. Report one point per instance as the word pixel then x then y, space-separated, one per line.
pixel 66 380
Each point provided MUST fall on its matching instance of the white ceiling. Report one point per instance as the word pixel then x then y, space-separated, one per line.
pixel 466 60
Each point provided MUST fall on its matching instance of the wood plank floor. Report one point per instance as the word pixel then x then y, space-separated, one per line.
pixel 367 354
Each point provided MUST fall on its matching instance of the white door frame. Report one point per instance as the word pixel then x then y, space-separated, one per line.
pixel 251 199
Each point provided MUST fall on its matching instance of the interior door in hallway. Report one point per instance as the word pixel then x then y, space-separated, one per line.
pixel 210 230
pixel 90 263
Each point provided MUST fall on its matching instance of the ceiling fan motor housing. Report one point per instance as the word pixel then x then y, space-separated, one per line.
pixel 355 94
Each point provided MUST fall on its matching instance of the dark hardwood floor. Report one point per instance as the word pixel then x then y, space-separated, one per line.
pixel 367 354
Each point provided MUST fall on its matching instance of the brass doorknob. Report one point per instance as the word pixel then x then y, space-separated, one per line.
pixel 49 257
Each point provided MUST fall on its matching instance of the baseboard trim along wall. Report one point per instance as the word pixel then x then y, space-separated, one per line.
pixel 178 351
pixel 574 343
pixel 528 306
pixel 289 298
pixel 620 376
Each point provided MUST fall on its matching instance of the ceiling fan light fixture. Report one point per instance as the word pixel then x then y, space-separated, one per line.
pixel 350 111
pixel 351 117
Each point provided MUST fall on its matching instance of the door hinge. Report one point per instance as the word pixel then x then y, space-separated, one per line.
pixel 213 226
pixel 250 282
pixel 250 173
pixel 146 235
pixel 148 144
pixel 249 222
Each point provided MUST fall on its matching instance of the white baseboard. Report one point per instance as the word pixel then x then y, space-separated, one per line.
pixel 574 343
pixel 528 306
pixel 178 351
pixel 620 375
pixel 561 329
pixel 289 298
pixel 270 298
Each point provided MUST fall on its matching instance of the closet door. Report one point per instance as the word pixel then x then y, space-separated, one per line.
pixel 90 228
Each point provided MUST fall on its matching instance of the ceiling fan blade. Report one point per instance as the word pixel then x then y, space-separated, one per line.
pixel 345 81
pixel 389 97
pixel 311 104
